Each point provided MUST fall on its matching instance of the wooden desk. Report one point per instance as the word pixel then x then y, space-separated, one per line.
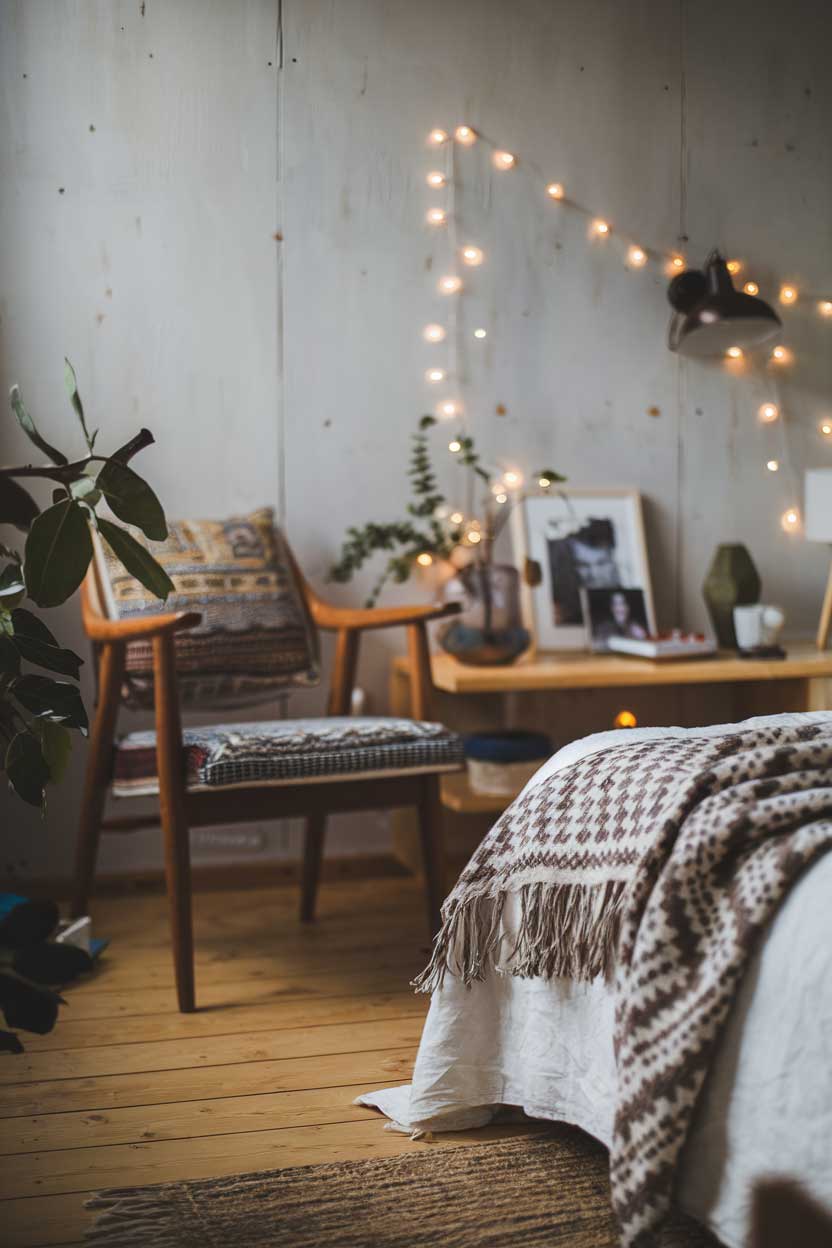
pixel 572 693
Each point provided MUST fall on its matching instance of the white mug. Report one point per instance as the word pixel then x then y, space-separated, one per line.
pixel 758 625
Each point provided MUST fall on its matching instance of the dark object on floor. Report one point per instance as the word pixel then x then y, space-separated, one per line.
pixel 783 1214
pixel 543 1190
pixel 26 922
pixel 763 652
pixel 28 1006
pixel 52 963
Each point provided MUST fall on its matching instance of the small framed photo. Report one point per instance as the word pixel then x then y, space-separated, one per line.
pixel 571 540
pixel 615 613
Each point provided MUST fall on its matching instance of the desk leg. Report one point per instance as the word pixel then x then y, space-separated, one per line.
pixel 819 693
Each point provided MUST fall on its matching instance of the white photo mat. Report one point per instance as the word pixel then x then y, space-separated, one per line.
pixel 540 526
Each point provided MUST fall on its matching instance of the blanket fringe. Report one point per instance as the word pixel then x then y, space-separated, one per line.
pixel 568 930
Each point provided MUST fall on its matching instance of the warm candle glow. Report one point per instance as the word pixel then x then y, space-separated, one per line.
pixel 472 255
pixel 788 294
pixel 436 178
pixel 555 191
pixel 734 266
pixel 425 559
pixel 773 465
pixel 504 160
pixel 637 257
pixel 450 284
pixel 433 333
pixel 790 520
pixel 465 135
pixel 751 288
pixel 734 353
pixel 768 413
pixel 436 216
pixel 435 374
pixel 438 136
pixel 625 719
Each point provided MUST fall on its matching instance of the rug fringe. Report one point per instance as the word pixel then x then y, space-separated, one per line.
pixel 131 1217
pixel 568 930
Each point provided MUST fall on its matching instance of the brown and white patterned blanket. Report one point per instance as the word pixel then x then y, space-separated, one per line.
pixel 658 863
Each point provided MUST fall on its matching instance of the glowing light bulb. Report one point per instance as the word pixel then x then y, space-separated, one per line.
pixel 512 479
pixel 465 135
pixel 448 408
pixel 625 719
pixel 790 520
pixel 503 160
pixel 425 559
pixel 734 266
pixel 637 257
pixel 437 137
pixel 544 483
pixel 473 536
pixel 788 294
pixel 479 333
pixel 501 498
pixel 751 288
pixel 825 307
pixel 450 284
pixel 433 333
pixel 773 465
pixel 555 191
pixel 436 178
pixel 455 446
pixel 600 228
pixel 675 264
pixel 826 428
pixel 472 255
pixel 435 375
pixel 436 216
pixel 456 517
pixel 734 353
pixel 768 413
pixel 780 355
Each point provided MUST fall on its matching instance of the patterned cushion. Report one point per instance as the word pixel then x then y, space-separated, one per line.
pixel 256 635
pixel 291 751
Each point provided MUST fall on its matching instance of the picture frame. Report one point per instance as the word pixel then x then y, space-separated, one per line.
pixel 572 539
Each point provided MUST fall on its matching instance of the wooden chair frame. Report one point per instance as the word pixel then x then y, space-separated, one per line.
pixel 181 810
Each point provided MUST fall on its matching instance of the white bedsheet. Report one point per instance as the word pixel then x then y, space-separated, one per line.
pixel 546 1046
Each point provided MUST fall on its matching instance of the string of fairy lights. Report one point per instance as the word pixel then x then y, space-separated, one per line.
pixel 637 256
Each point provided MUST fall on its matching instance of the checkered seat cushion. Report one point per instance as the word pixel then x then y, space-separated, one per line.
pixel 291 751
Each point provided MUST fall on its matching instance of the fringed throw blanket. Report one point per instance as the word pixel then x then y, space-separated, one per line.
pixel 659 863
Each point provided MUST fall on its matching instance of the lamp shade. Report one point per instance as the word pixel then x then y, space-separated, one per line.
pixel 818 505
pixel 712 316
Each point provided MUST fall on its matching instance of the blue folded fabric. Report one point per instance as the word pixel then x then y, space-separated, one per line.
pixel 512 746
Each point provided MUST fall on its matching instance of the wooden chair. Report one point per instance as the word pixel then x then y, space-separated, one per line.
pixel 181 809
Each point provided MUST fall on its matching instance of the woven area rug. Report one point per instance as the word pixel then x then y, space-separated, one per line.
pixel 534 1191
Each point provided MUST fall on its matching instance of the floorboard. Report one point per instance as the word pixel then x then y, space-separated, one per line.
pixel 294 1021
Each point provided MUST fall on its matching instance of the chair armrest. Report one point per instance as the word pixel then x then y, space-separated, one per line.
pixel 99 628
pixel 360 619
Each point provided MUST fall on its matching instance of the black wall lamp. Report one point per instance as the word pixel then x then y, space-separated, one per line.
pixel 711 316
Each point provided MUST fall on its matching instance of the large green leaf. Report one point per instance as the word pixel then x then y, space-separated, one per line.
pixel 28 426
pixel 138 561
pixel 55 700
pixel 56 747
pixel 34 642
pixel 75 398
pixel 26 768
pixel 57 554
pixel 17 506
pixel 9 657
pixel 132 499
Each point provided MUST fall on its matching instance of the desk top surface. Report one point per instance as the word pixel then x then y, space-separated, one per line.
pixel 577 669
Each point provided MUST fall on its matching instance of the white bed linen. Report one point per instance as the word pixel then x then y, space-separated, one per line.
pixel 546 1046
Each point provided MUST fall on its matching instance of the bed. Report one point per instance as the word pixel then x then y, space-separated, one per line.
pixel 546 1046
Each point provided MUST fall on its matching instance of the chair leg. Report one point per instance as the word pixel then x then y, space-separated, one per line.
pixel 433 851
pixel 96 781
pixel 313 852
pixel 170 769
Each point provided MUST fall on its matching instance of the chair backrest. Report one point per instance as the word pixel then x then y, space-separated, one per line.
pixel 256 636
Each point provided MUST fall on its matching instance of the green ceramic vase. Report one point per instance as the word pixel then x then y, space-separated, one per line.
pixel 732 581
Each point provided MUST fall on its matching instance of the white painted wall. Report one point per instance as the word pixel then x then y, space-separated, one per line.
pixel 157 271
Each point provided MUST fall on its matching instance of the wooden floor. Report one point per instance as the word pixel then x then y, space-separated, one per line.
pixel 294 1022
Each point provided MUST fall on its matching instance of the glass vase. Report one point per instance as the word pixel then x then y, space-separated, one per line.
pixel 490 629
